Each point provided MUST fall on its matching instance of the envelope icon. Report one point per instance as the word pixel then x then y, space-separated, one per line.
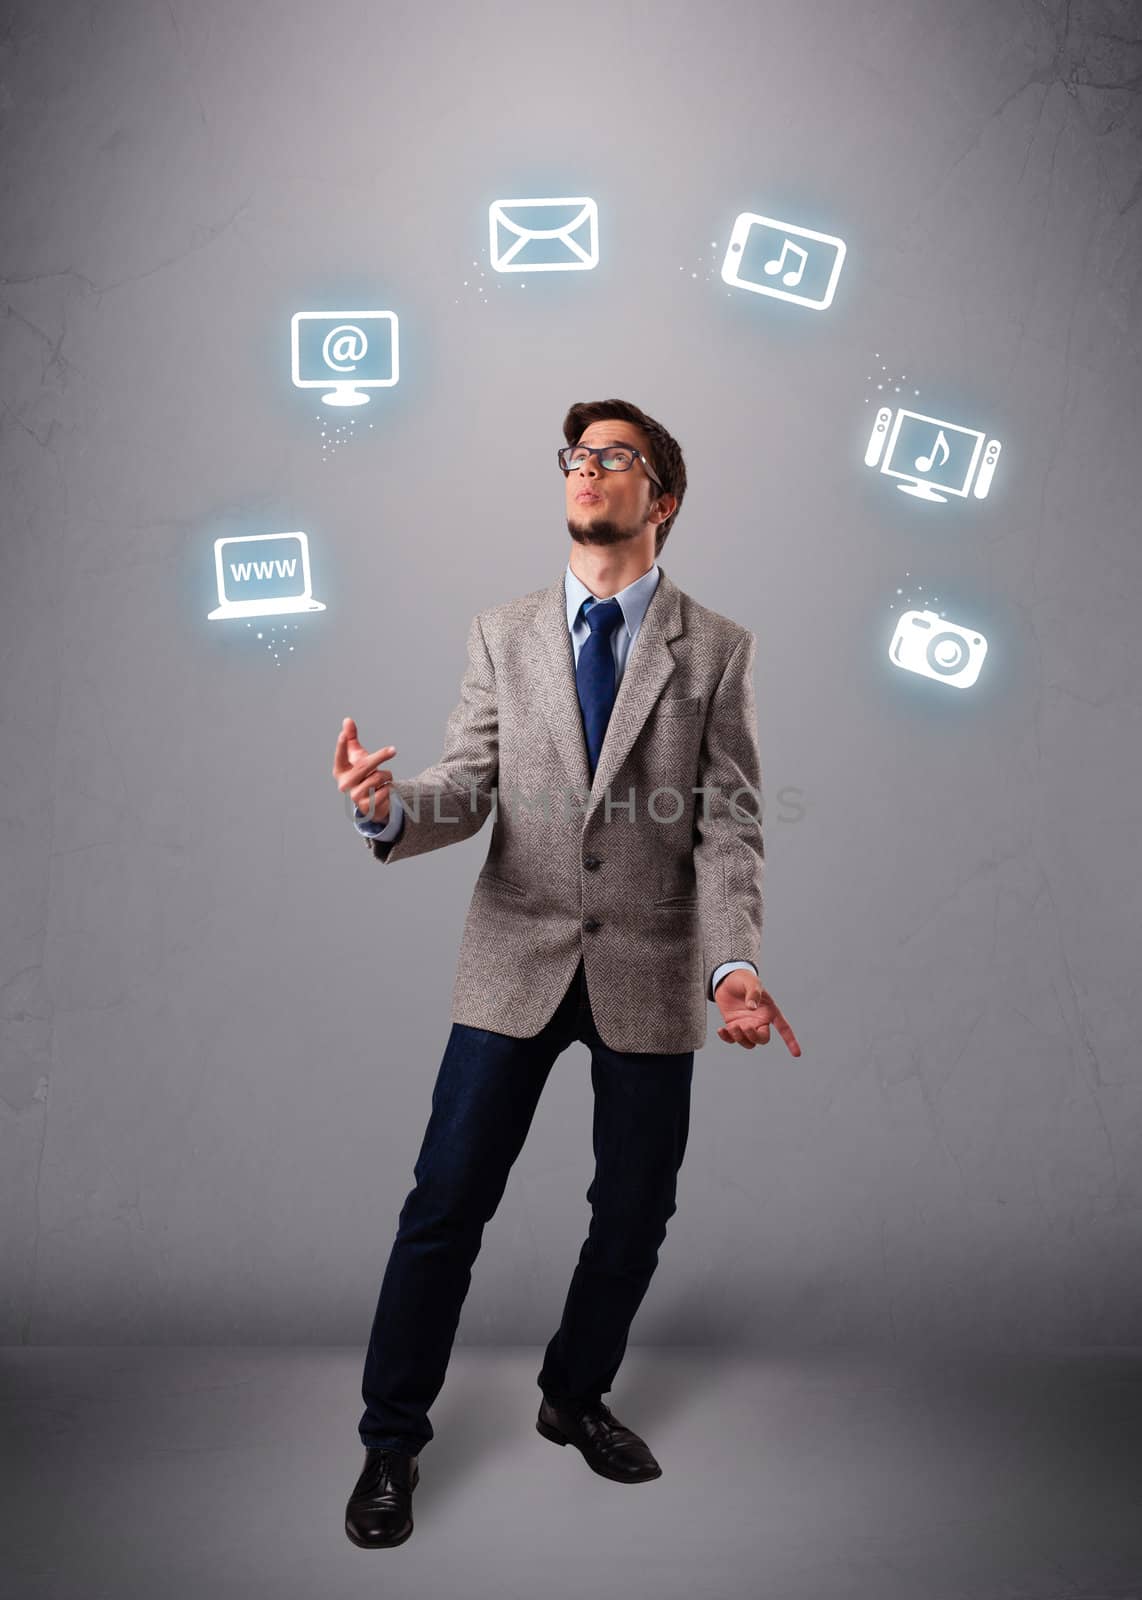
pixel 555 235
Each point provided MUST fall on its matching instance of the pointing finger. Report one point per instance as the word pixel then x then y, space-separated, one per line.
pixel 365 764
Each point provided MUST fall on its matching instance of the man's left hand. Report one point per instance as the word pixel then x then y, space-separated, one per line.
pixel 749 1011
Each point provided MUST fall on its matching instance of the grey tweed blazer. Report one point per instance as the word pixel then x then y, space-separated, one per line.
pixel 653 889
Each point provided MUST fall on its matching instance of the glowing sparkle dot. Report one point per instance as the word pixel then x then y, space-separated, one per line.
pixel 880 386
pixel 693 274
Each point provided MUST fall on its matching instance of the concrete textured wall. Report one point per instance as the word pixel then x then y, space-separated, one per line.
pixel 221 1021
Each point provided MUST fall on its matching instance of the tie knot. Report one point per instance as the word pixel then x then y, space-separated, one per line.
pixel 603 616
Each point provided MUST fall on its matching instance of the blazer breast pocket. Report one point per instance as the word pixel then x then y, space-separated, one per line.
pixel 686 706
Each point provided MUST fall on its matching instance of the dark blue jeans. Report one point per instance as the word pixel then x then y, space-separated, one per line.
pixel 483 1102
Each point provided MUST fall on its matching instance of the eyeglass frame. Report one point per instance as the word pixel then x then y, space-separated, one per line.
pixel 597 450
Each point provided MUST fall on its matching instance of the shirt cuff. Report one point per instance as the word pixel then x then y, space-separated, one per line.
pixel 384 831
pixel 728 966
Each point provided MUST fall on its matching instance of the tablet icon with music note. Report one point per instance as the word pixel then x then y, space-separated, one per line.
pixel 782 260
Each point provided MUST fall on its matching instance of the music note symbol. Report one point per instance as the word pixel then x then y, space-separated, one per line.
pixel 789 279
pixel 924 463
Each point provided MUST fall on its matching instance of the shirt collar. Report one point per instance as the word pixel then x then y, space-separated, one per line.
pixel 633 600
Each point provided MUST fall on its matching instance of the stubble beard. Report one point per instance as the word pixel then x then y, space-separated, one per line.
pixel 602 531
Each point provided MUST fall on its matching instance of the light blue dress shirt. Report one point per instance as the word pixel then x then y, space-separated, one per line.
pixel 633 600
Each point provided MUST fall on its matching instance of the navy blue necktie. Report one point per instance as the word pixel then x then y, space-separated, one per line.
pixel 595 673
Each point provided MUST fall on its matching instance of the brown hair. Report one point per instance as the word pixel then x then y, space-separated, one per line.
pixel 664 452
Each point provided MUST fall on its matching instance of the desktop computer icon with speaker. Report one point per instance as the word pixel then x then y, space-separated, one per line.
pixel 931 458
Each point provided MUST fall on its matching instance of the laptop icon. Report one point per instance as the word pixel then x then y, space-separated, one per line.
pixel 263 575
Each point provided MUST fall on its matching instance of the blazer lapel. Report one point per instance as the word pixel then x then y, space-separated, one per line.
pixel 648 668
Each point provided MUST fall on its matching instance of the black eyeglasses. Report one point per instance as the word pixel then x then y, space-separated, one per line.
pixel 613 457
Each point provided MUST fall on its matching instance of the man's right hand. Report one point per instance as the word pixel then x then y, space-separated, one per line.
pixel 358 775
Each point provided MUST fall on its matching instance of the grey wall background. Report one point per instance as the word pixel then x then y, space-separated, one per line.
pixel 221 1020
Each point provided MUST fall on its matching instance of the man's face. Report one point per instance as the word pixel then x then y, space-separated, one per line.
pixel 609 508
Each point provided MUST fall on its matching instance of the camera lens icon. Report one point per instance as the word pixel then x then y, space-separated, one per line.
pixel 929 644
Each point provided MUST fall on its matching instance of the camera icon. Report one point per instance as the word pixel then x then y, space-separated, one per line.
pixel 929 644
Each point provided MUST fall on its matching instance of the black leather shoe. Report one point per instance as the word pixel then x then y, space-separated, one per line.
pixel 608 1448
pixel 379 1513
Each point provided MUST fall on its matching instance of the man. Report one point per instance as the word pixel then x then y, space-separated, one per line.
pixel 610 719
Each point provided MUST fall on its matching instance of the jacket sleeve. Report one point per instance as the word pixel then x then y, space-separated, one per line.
pixel 451 800
pixel 729 855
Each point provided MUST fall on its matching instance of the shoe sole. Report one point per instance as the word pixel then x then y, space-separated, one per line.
pixel 556 1437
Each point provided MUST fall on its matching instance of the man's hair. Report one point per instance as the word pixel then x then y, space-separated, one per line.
pixel 664 452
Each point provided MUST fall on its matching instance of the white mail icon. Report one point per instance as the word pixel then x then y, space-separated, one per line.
pixel 555 235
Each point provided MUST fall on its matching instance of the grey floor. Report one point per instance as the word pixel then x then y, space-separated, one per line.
pixel 207 1473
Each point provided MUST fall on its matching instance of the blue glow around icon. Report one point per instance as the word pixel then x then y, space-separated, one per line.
pixel 553 235
pixel 782 260
pixel 929 644
pixel 263 575
pixel 929 455
pixel 344 352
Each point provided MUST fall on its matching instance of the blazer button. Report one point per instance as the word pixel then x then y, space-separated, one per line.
pixel 590 862
pixel 591 924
